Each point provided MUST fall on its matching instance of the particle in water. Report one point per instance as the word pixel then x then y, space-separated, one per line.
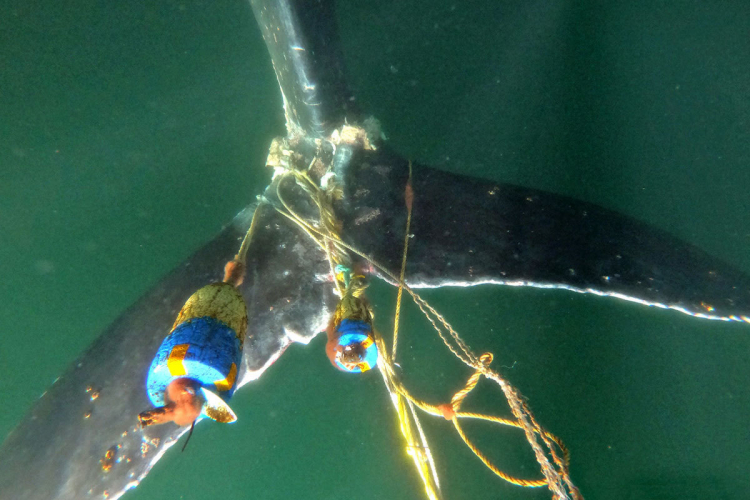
pixel 109 459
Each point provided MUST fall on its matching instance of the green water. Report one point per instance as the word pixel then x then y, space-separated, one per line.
pixel 130 132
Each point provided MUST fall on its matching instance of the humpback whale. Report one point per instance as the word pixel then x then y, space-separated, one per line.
pixel 548 138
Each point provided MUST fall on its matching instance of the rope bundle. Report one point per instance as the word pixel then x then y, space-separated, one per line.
pixel 351 286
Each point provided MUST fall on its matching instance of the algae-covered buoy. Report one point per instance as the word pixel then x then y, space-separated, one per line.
pixel 194 371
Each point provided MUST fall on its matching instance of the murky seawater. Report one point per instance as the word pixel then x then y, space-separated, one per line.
pixel 130 133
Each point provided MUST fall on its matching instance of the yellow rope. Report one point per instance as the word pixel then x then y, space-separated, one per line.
pixel 242 252
pixel 419 449
pixel 416 442
pixel 556 477
pixel 507 477
pixel 330 236
pixel 463 353
pixel 408 199
pixel 234 270
pixel 455 415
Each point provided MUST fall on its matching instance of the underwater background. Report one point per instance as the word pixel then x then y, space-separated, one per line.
pixel 131 132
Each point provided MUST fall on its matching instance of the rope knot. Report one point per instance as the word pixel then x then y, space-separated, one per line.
pixel 234 272
pixel 447 410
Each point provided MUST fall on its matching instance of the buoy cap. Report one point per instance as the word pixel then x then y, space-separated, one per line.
pixel 216 408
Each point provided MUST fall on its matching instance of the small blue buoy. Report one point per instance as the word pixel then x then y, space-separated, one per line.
pixel 352 346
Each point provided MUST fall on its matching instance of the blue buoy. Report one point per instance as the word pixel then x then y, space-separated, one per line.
pixel 355 350
pixel 203 349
